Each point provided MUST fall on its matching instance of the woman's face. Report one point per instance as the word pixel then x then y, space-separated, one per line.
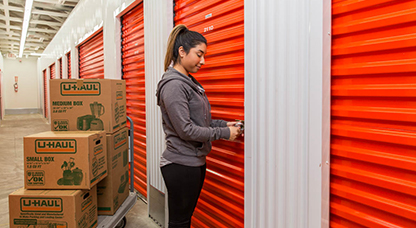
pixel 194 60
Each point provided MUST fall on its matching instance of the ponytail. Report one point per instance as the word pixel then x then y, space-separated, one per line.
pixel 181 36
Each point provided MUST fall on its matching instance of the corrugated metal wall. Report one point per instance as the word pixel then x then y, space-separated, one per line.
pixel 68 58
pixel 158 21
pixel 52 71
pixel 373 159
pixel 134 74
pixel 91 57
pixel 45 94
pixel 221 203
pixel 283 111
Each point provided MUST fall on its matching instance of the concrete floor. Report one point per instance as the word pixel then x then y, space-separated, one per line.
pixel 12 130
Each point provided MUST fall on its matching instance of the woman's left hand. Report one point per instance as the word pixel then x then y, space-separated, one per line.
pixel 229 124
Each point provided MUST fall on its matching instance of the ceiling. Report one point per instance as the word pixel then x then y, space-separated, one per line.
pixel 46 19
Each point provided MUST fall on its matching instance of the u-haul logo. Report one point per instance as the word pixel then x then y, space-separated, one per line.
pixel 55 146
pixel 120 139
pixel 29 204
pixel 86 89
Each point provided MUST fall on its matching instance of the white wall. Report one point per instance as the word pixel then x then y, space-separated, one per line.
pixel 28 93
pixel 88 17
pixel 158 22
pixel 1 86
pixel 1 62
pixel 284 103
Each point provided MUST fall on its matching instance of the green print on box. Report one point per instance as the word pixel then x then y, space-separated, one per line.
pixel 120 140
pixel 82 223
pixel 35 178
pixel 92 122
pixel 86 89
pixel 55 146
pixel 61 125
pixel 94 167
pixel 33 204
pixel 124 179
pixel 40 223
pixel 70 177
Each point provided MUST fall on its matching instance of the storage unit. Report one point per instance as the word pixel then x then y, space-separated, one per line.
pixel 45 94
pixel 221 203
pixel 133 73
pixel 373 159
pixel 68 59
pixel 52 71
pixel 91 57
pixel 60 68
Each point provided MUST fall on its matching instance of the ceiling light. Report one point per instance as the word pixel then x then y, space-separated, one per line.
pixel 26 19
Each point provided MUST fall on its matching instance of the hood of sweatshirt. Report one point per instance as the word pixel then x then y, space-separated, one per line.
pixel 172 74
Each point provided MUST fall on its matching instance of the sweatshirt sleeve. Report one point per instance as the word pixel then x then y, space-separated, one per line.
pixel 218 123
pixel 174 98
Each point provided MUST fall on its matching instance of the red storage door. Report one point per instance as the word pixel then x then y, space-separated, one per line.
pixel 52 70
pixel 68 58
pixel 60 68
pixel 91 57
pixel 373 141
pixel 222 22
pixel 133 73
pixel 45 93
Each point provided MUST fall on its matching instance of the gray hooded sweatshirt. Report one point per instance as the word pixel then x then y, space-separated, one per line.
pixel 186 115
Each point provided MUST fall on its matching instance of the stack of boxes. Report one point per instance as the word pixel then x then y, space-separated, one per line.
pixel 79 169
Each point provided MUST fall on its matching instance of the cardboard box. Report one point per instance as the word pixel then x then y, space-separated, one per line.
pixel 114 189
pixel 53 208
pixel 65 160
pixel 88 104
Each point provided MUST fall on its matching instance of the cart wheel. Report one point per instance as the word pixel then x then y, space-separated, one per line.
pixel 122 223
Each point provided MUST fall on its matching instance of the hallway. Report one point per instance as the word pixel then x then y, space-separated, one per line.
pixel 12 130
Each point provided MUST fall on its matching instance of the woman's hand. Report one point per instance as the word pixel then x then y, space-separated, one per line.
pixel 234 132
pixel 234 124
pixel 231 124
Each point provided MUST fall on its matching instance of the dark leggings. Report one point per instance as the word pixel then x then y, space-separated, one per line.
pixel 184 184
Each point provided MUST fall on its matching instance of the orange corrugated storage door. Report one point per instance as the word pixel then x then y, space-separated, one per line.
pixel 60 68
pixel 133 73
pixel 68 58
pixel 52 70
pixel 222 22
pixel 91 57
pixel 373 142
pixel 45 93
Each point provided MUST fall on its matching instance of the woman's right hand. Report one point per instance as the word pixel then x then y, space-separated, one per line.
pixel 234 132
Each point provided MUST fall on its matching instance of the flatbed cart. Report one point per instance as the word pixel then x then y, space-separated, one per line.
pixel 118 220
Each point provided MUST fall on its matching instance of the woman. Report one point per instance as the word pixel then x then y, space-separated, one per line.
pixel 186 115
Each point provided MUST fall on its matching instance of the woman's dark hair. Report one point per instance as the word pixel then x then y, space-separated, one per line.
pixel 181 36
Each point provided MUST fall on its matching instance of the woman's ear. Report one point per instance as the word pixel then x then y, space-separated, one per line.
pixel 181 52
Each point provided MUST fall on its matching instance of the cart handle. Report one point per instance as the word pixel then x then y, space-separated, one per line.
pixel 131 135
